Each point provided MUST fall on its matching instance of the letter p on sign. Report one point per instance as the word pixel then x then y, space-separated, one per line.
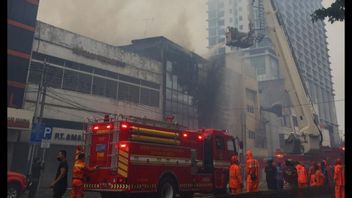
pixel 47 133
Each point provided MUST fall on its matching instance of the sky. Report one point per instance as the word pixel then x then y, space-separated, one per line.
pixel 117 22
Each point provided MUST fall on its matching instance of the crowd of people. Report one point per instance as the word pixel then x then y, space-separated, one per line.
pixel 292 174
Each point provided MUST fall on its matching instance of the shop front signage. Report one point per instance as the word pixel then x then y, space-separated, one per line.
pixel 19 119
pixel 65 136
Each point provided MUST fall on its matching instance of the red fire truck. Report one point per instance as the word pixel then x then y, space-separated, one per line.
pixel 141 155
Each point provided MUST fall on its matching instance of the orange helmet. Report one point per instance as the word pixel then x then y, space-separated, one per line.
pixel 249 154
pixel 338 161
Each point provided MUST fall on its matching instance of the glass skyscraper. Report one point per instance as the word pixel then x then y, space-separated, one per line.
pixel 308 41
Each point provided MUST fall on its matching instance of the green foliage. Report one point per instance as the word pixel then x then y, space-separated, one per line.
pixel 336 12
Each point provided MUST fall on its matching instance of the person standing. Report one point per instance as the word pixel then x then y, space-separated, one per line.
pixel 302 175
pixel 280 177
pixel 290 174
pixel 235 183
pixel 35 175
pixel 79 169
pixel 252 172
pixel 339 178
pixel 59 184
pixel 317 178
pixel 271 175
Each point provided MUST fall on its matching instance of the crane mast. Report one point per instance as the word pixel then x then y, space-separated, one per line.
pixel 308 132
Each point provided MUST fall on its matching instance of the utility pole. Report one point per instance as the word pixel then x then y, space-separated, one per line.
pixel 38 119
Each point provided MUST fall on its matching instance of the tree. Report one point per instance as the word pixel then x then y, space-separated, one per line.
pixel 336 12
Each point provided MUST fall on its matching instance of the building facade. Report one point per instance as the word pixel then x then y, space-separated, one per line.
pixel 308 41
pixel 180 76
pixel 84 79
pixel 309 44
pixel 21 19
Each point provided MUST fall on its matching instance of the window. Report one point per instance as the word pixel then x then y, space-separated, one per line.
pixel 251 95
pixel 154 98
pixel 84 83
pixel 129 79
pixel 221 22
pixel 99 85
pixel 111 89
pixel 250 108
pixel 145 97
pixel 128 92
pixel 295 121
pixel 240 18
pixel 220 143
pixel 222 50
pixel 241 27
pixel 221 14
pixel 230 10
pixel 260 69
pixel 251 134
pixel 230 145
pixel 53 77
pixel 35 73
pixel 282 140
pixel 70 80
pixel 212 41
pixel 259 63
pixel 212 32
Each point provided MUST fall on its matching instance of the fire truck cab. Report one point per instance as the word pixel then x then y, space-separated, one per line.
pixel 138 155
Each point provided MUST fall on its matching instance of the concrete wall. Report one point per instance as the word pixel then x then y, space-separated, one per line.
pixel 61 43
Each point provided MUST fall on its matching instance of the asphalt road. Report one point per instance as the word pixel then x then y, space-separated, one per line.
pixel 47 193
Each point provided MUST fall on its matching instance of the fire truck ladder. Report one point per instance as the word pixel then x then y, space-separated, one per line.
pixel 155 123
pixel 87 139
pixel 114 151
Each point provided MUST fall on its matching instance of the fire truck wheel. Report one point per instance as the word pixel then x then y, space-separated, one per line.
pixel 167 188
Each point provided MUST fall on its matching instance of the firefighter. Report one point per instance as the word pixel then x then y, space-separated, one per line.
pixel 290 175
pixel 302 175
pixel 317 178
pixel 252 172
pixel 235 182
pixel 339 178
pixel 79 169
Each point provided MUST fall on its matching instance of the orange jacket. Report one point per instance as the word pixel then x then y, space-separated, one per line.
pixel 319 178
pixel 79 169
pixel 339 175
pixel 302 174
pixel 252 164
pixel 235 176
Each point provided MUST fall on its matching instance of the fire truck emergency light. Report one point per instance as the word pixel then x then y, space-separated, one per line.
pixel 124 126
pixel 123 145
pixel 185 135
pixel 200 137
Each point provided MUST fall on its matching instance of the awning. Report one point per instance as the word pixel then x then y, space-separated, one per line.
pixel 19 119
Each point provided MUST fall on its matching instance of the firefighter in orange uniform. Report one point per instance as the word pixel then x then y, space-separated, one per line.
pixel 252 172
pixel 302 175
pixel 79 169
pixel 317 178
pixel 235 182
pixel 339 178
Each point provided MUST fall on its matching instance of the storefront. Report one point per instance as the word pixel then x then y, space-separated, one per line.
pixel 19 124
